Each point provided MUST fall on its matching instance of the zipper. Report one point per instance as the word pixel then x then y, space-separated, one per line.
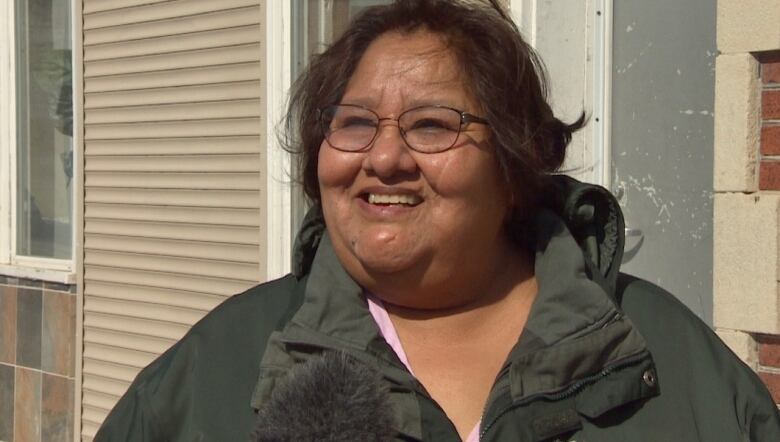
pixel 503 372
pixel 567 392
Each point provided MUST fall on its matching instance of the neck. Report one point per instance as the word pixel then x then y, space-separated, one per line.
pixel 505 298
pixel 464 280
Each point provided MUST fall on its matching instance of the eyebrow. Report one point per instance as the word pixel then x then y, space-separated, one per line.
pixel 411 104
pixel 418 102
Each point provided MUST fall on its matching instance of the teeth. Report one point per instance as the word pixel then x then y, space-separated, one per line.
pixel 411 200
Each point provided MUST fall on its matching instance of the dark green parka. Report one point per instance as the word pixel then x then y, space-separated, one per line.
pixel 604 357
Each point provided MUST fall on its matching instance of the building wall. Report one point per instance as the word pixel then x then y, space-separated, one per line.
pixel 173 173
pixel 37 348
pixel 747 180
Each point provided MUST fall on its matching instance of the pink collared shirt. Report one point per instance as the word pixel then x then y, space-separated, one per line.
pixel 386 327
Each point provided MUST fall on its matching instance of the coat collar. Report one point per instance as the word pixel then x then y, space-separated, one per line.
pixel 334 316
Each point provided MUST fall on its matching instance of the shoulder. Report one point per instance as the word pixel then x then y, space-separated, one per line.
pixel 671 330
pixel 654 310
pixel 234 333
pixel 247 318
pixel 208 375
pixel 259 308
pixel 696 370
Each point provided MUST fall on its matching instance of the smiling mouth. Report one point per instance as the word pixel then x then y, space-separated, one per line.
pixel 389 200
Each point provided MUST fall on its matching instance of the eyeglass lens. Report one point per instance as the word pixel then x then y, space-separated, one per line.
pixel 425 129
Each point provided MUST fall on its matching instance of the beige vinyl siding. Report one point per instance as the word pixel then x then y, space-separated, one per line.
pixel 173 173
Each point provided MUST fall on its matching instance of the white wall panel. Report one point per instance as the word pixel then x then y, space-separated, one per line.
pixel 572 38
pixel 173 176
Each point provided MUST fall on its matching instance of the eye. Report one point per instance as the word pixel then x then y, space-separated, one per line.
pixel 353 121
pixel 430 124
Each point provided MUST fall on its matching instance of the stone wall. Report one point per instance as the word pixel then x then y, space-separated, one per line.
pixel 37 358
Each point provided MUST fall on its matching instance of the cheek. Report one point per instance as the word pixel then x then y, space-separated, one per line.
pixel 467 177
pixel 472 197
pixel 336 173
pixel 325 172
pixel 336 169
pixel 445 174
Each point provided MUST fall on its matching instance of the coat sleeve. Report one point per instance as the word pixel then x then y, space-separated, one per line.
pixel 762 419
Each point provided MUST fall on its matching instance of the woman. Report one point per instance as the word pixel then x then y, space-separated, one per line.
pixel 481 291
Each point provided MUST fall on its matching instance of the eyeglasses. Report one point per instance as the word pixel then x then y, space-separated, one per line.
pixel 425 129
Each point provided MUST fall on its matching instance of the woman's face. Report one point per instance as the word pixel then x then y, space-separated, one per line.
pixel 450 227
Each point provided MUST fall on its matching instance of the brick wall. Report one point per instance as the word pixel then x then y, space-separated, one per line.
pixel 746 234
pixel 37 345
pixel 769 363
pixel 769 173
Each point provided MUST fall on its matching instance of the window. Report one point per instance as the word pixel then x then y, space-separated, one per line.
pixel 36 149
pixel 294 31
pixel 319 22
pixel 316 23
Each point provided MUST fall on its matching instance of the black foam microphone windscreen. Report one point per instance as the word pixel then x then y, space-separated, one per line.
pixel 331 397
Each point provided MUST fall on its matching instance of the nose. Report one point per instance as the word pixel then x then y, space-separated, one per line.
pixel 388 154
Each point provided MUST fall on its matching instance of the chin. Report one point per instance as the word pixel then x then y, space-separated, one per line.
pixel 415 300
pixel 388 252
pixel 385 266
pixel 386 272
pixel 386 263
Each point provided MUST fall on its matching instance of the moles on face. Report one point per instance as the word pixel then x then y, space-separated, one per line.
pixel 418 230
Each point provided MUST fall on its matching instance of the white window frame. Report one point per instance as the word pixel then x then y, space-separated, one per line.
pixel 11 264
pixel 597 95
pixel 279 196
pixel 284 201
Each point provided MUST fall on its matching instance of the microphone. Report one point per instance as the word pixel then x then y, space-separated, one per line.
pixel 331 397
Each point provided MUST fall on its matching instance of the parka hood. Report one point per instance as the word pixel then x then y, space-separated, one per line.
pixel 594 218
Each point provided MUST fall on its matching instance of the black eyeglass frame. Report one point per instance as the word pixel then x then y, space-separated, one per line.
pixel 465 118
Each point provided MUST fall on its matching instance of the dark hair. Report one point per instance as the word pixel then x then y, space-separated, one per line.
pixel 505 74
